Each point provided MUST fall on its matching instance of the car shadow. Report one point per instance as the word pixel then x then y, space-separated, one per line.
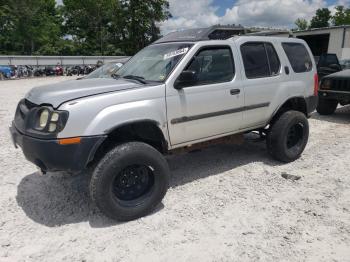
pixel 340 116
pixel 57 199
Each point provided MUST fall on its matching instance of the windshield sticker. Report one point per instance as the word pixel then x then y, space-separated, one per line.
pixel 175 53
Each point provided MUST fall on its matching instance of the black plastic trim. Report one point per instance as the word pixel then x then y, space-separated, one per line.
pixel 49 155
pixel 311 104
pixel 218 113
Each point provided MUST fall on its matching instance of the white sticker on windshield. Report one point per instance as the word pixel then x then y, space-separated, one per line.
pixel 176 53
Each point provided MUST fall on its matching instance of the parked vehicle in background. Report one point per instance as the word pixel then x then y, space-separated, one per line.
pixel 39 71
pixel 328 64
pixel 5 72
pixel 187 90
pixel 345 64
pixel 50 71
pixel 58 70
pixel 30 70
pixel 75 70
pixel 99 63
pixel 88 69
pixel 105 71
pixel 334 90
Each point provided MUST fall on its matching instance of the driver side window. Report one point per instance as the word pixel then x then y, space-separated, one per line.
pixel 212 65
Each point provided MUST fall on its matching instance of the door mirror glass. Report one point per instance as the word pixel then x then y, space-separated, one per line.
pixel 186 78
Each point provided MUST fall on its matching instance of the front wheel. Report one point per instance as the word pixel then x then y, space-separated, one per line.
pixel 288 136
pixel 130 181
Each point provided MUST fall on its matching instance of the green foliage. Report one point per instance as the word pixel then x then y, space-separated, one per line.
pixel 79 27
pixel 29 24
pixel 321 19
pixel 301 24
pixel 341 16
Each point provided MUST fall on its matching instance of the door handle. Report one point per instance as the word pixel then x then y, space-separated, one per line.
pixel 235 91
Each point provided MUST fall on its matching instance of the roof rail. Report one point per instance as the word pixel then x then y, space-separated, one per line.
pixel 269 33
pixel 216 32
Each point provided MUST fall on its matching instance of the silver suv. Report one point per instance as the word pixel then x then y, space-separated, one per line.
pixel 185 91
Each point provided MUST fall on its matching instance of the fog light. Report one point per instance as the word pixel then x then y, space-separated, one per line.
pixel 52 127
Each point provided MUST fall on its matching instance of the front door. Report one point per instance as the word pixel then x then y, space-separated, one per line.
pixel 212 105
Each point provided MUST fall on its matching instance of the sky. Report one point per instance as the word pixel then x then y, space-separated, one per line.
pixel 261 13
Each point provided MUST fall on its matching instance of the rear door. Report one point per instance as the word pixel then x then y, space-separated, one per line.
pixel 262 74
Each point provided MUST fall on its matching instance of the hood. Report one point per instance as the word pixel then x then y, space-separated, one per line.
pixel 59 93
pixel 340 74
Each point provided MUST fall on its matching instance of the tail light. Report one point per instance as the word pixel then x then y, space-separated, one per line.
pixel 316 84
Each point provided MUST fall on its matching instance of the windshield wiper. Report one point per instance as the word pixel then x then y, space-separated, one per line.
pixel 137 78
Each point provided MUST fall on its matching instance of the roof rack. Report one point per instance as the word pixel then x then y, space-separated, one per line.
pixel 216 32
pixel 269 33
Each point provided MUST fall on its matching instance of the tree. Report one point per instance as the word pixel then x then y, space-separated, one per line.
pixel 301 24
pixel 321 19
pixel 341 16
pixel 140 18
pixel 79 27
pixel 90 23
pixel 29 24
pixel 6 26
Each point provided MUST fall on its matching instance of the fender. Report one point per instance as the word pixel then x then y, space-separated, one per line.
pixel 302 108
pixel 99 115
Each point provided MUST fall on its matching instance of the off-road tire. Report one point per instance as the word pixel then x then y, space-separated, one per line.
pixel 277 137
pixel 109 168
pixel 326 106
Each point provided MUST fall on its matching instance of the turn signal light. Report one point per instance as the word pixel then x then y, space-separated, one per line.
pixel 69 141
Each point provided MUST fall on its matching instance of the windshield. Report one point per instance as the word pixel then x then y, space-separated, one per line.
pixel 105 71
pixel 155 62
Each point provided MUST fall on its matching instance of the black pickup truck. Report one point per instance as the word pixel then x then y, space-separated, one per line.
pixel 334 86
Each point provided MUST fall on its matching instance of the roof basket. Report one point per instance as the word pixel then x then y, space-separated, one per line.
pixel 216 32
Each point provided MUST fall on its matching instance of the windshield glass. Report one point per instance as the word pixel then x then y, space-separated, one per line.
pixel 155 62
pixel 105 71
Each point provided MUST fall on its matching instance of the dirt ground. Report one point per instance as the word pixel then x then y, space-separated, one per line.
pixel 226 203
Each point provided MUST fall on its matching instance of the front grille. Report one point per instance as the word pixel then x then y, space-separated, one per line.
pixel 341 85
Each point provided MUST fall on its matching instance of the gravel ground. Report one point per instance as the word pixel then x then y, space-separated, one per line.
pixel 226 203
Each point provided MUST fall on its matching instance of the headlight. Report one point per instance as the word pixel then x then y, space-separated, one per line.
pixel 44 118
pixel 326 84
pixel 50 121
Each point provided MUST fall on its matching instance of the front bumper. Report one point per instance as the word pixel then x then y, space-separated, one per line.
pixel 335 95
pixel 49 155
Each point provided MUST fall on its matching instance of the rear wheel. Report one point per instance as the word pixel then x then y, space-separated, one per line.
pixel 326 106
pixel 130 181
pixel 288 136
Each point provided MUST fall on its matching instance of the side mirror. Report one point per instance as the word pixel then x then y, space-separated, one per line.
pixel 186 78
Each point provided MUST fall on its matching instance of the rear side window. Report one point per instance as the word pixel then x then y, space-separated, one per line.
pixel 260 60
pixel 298 56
